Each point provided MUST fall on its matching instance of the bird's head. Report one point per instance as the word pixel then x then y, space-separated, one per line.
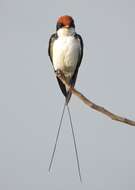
pixel 65 22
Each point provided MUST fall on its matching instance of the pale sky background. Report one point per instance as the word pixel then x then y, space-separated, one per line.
pixel 31 102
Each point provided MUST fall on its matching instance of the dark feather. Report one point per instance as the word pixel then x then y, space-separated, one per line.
pixel 51 41
pixel 62 87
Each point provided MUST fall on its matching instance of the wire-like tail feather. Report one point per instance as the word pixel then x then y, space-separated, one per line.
pixel 76 151
pixel 56 141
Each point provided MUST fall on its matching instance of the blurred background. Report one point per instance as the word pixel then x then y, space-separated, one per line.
pixel 31 101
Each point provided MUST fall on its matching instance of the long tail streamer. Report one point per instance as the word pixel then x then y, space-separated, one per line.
pixel 56 141
pixel 76 151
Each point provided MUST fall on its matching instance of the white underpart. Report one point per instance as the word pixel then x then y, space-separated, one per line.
pixel 66 51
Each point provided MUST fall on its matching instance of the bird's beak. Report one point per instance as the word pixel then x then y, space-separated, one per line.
pixel 67 26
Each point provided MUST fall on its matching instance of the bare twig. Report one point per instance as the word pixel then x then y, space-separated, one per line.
pixel 94 106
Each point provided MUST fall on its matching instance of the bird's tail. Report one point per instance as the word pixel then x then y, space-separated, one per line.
pixel 73 134
pixel 68 96
pixel 75 145
pixel 56 141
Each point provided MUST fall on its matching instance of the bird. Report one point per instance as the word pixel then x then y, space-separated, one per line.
pixel 66 52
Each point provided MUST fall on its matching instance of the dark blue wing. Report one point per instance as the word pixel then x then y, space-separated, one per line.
pixel 50 47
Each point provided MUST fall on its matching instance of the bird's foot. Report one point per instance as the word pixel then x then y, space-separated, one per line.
pixel 61 76
pixel 58 73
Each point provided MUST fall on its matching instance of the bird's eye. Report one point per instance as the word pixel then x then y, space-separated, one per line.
pixel 59 25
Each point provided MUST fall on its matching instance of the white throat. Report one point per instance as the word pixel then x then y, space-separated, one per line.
pixel 65 32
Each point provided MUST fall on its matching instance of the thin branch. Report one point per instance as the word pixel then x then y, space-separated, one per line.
pixel 91 104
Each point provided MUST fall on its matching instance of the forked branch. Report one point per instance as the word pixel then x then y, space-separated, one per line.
pixel 91 104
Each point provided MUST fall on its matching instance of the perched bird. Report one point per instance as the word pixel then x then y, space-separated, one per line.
pixel 66 51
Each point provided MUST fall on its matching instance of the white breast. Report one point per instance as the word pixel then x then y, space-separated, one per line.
pixel 66 50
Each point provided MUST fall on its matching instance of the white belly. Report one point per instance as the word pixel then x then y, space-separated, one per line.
pixel 66 50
